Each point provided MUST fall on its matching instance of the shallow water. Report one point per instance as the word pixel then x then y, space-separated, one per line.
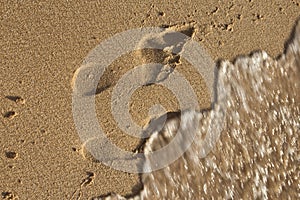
pixel 247 146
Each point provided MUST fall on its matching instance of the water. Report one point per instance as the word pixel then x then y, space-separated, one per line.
pixel 256 154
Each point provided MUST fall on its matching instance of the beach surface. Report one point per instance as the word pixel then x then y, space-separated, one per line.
pixel 43 44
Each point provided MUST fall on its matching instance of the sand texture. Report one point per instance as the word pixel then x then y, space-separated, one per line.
pixel 42 45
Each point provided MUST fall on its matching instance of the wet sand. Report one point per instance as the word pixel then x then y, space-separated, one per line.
pixel 43 44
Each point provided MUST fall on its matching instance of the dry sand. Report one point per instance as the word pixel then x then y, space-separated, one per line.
pixel 42 45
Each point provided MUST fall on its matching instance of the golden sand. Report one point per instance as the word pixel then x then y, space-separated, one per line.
pixel 44 43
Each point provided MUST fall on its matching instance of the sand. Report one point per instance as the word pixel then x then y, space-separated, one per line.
pixel 43 44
